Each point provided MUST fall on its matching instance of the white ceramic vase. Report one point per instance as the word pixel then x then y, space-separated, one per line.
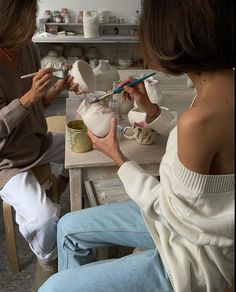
pixel 96 117
pixel 105 75
pixel 90 24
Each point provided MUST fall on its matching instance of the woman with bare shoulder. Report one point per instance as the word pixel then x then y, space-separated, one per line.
pixel 184 222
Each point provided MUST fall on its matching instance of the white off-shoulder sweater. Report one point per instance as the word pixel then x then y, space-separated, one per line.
pixel 190 217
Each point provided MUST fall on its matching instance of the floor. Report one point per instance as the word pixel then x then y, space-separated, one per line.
pixel 23 281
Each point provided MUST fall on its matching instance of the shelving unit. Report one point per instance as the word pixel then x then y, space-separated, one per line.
pixel 125 33
pixel 113 38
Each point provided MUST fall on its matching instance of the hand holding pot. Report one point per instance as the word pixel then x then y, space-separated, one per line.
pixel 109 145
pixel 139 93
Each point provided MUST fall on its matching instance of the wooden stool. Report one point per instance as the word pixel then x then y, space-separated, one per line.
pixel 45 178
pixel 56 123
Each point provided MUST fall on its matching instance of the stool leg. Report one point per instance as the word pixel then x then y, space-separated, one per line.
pixel 11 237
pixel 52 191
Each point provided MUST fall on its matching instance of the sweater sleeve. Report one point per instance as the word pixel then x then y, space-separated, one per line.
pixel 164 123
pixel 140 186
pixel 11 116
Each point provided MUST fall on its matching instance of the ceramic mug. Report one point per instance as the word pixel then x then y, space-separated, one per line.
pixel 78 137
pixel 141 135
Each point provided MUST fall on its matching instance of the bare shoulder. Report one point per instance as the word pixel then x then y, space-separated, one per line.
pixel 198 141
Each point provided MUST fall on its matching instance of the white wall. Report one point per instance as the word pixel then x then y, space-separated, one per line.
pixel 119 8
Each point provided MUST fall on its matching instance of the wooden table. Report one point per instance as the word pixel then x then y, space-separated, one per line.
pixel 94 165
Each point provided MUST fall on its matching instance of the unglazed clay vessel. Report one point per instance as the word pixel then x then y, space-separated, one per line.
pixel 90 24
pixel 83 74
pixel 105 75
pixel 96 117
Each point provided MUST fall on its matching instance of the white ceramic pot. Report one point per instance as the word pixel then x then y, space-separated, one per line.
pixel 83 74
pixel 105 75
pixel 153 90
pixel 90 24
pixel 96 117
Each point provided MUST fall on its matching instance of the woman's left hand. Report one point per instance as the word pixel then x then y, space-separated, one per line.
pixel 109 145
pixel 68 84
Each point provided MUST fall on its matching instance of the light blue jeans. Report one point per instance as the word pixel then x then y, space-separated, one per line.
pixel 114 224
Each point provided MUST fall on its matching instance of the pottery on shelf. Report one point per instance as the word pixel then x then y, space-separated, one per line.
pixel 105 75
pixel 96 117
pixel 90 24
pixel 83 75
pixel 52 59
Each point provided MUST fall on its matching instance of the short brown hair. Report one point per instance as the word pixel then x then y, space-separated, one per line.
pixel 17 21
pixel 183 36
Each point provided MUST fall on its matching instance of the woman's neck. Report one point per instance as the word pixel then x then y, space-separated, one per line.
pixel 212 81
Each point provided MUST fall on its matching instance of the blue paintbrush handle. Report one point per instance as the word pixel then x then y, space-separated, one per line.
pixel 132 83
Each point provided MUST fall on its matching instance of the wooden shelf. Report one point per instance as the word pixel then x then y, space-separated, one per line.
pixel 82 39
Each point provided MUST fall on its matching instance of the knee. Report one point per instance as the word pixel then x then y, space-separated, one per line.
pixel 53 284
pixel 48 215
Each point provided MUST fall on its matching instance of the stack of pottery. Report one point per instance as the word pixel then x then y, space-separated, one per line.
pixel 105 75
pixel 90 24
pixel 53 59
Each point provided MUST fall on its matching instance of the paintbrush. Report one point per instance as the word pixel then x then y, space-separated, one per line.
pixel 65 67
pixel 91 97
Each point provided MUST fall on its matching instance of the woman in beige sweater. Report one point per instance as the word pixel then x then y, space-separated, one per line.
pixel 24 140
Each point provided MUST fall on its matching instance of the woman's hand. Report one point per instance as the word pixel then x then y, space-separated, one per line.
pixel 68 84
pixel 40 85
pixel 109 145
pixel 139 94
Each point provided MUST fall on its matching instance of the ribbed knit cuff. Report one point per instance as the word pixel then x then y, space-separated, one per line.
pixel 13 113
pixel 164 122
pixel 128 171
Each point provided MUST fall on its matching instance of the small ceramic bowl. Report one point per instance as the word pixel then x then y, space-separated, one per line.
pixel 125 63
pixel 83 74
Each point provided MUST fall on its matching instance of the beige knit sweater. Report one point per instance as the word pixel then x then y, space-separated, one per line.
pixel 190 217
pixel 22 131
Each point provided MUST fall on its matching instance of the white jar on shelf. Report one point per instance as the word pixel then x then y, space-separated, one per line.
pixel 90 24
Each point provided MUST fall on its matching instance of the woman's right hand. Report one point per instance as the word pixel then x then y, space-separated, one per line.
pixel 40 85
pixel 139 94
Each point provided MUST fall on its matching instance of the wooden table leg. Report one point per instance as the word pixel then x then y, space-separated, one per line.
pixel 76 187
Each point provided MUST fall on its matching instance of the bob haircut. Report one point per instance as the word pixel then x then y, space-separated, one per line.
pixel 183 36
pixel 17 22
